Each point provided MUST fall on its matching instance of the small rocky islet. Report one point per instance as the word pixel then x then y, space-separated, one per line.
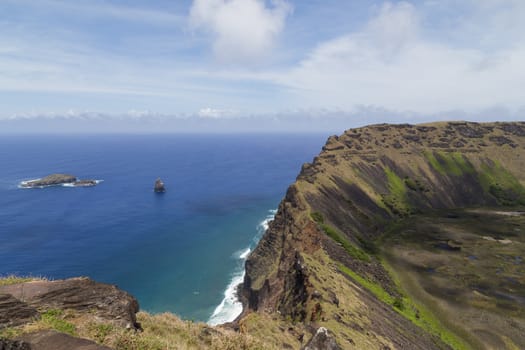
pixel 393 237
pixel 58 180
pixel 159 186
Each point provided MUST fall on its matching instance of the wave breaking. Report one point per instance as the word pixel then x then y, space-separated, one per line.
pixel 230 306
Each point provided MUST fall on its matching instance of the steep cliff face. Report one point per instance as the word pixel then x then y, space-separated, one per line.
pixel 317 263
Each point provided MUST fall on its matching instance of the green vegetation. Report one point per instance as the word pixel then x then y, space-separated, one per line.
pixel 10 332
pixel 160 332
pixel 500 183
pixel 396 200
pixel 369 246
pixel 12 279
pixel 415 185
pixel 54 319
pixel 409 309
pixel 101 331
pixel 411 184
pixel 475 277
pixel 373 287
pixel 352 250
pixel 317 217
pixel 449 163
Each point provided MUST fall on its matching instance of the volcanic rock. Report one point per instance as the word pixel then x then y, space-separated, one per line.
pixel 57 180
pixel 80 294
pixel 14 312
pixel 159 186
pixel 6 344
pixel 322 340
pixel 51 180
pixel 52 340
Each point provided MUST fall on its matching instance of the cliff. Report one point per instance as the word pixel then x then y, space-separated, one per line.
pixel 321 264
pixel 79 313
pixel 394 237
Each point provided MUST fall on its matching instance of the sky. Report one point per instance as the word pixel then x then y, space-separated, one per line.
pixel 256 65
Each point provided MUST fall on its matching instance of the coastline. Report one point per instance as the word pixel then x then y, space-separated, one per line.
pixel 231 306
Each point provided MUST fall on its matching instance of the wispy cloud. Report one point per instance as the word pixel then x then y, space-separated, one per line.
pixel 104 9
pixel 427 57
pixel 390 62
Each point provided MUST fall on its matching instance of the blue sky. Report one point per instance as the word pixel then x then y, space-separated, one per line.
pixel 322 63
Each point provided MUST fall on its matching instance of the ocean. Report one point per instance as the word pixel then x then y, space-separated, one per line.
pixel 182 251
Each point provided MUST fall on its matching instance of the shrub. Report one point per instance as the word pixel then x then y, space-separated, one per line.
pixel 317 217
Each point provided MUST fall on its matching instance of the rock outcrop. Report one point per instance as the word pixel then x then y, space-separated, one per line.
pixel 322 340
pixel 14 312
pixel 51 180
pixel 21 302
pixel 57 180
pixel 6 344
pixel 159 186
pixel 311 263
pixel 52 340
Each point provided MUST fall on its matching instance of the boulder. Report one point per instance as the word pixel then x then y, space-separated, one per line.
pixel 322 340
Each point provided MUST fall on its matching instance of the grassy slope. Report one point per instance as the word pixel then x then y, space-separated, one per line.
pixel 419 174
pixel 404 174
pixel 160 332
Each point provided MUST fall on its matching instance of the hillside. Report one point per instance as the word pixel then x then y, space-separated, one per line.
pixel 394 237
pixel 321 262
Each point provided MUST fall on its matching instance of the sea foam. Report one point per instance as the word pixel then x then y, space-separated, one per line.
pixel 23 184
pixel 230 306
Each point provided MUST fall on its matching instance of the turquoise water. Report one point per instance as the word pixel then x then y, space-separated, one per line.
pixel 177 251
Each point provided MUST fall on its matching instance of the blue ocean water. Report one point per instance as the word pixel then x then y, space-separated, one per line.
pixel 176 252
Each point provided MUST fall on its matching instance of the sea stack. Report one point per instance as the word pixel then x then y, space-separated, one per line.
pixel 159 186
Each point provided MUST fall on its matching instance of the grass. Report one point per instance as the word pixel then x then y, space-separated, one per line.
pixel 54 319
pixel 373 287
pixel 415 185
pixel 396 200
pixel 501 184
pixel 449 163
pixel 13 279
pixel 352 250
pixel 160 332
pixel 409 309
pixel 317 217
pixel 101 331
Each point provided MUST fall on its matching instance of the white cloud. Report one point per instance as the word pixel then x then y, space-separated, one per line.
pixel 216 113
pixel 391 63
pixel 243 30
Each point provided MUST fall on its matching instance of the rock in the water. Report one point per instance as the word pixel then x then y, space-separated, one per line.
pixel 159 186
pixel 85 183
pixel 57 180
pixel 50 180
pixel 52 340
pixel 322 340
pixel 80 294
